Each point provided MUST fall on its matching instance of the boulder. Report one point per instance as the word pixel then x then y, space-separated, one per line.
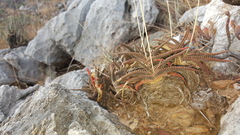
pixel 88 29
pixel 54 110
pixel 190 15
pixel 11 97
pixel 4 52
pixel 27 69
pixel 215 13
pixel 7 75
pixel 110 24
pixel 230 121
pixel 72 80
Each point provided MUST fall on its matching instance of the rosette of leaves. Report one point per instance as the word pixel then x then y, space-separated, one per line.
pixel 137 67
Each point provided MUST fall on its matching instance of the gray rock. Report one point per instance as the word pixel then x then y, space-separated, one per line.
pixel 107 24
pixel 44 49
pixel 96 26
pixel 27 69
pixel 215 13
pixel 3 52
pixel 2 116
pixel 7 75
pixel 10 96
pixel 230 121
pixel 68 2
pixel 153 38
pixel 190 15
pixel 59 35
pixel 72 80
pixel 55 110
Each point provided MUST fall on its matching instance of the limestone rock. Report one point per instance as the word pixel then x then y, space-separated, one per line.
pixel 216 13
pixel 96 26
pixel 73 79
pixel 10 98
pixel 55 110
pixel 27 69
pixel 117 19
pixel 6 73
pixel 190 15
pixel 45 51
pixel 230 121
pixel 4 52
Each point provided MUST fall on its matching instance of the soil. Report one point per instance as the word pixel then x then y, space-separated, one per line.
pixel 172 107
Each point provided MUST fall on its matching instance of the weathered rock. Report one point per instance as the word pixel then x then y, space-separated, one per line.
pixel 72 80
pixel 6 71
pixel 55 110
pixel 92 31
pixel 7 75
pixel 230 121
pixel 109 24
pixel 10 97
pixel 27 69
pixel 216 13
pixel 68 2
pixel 190 15
pixel 46 51
pixel 3 52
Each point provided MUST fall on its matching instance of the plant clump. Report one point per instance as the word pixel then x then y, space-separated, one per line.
pixel 154 82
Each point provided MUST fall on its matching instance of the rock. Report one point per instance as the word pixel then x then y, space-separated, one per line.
pixel 92 31
pixel 4 52
pixel 54 110
pixel 73 79
pixel 68 2
pixel 27 69
pixel 6 70
pixel 10 98
pixel 24 8
pixel 190 15
pixel 7 75
pixel 216 13
pixel 2 116
pixel 46 51
pixel 230 121
pixel 152 38
pixel 117 20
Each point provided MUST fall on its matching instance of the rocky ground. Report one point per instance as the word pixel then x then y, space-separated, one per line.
pixel 43 83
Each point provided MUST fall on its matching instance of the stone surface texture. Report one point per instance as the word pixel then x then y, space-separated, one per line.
pixel 54 110
pixel 88 29
pixel 190 15
pixel 215 13
pixel 10 99
pixel 7 75
pixel 26 68
pixel 230 121
pixel 72 80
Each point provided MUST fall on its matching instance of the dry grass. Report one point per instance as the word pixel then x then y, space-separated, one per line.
pixel 26 25
pixel 171 14
pixel 3 44
pixel 49 7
